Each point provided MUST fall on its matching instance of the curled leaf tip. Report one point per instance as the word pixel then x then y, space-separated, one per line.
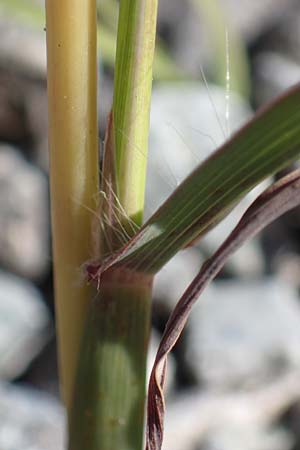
pixel 281 197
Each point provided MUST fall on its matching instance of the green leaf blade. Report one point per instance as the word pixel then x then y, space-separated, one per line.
pixel 266 144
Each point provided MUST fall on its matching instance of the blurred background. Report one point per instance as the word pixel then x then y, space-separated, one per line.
pixel 234 377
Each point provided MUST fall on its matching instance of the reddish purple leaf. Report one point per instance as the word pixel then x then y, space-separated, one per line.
pixel 272 203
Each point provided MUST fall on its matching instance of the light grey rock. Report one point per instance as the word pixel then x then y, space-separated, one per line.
pixel 287 268
pixel 245 334
pixel 24 216
pixel 36 106
pixel 190 43
pixel 288 35
pixel 210 417
pixel 196 27
pixel 171 282
pixel 275 73
pixel 187 123
pixel 251 18
pixel 30 420
pixel 12 54
pixel 24 325
pixel 248 261
pixel 247 439
pixel 23 106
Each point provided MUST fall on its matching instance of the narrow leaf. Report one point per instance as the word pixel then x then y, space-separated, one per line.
pixel 275 201
pixel 269 142
pixel 131 103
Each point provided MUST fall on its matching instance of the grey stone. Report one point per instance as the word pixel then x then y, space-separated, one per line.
pixel 248 261
pixel 288 34
pixel 188 122
pixel 287 268
pixel 24 216
pixel 12 54
pixel 36 107
pixel 275 73
pixel 184 130
pixel 30 420
pixel 239 418
pixel 23 108
pixel 245 334
pixel 171 282
pixel 247 439
pixel 250 18
pixel 190 44
pixel 24 325
pixel 194 28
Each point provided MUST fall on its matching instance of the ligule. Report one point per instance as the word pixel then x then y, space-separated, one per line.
pixel 266 144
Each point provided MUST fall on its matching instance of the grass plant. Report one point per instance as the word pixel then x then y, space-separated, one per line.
pixel 120 254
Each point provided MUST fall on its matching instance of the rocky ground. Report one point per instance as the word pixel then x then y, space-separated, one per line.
pixel 234 377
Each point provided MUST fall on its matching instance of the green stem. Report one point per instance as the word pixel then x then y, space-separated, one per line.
pixel 108 404
pixel 73 145
pixel 108 409
pixel 131 105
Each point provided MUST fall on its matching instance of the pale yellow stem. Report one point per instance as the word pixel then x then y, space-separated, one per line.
pixel 72 94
